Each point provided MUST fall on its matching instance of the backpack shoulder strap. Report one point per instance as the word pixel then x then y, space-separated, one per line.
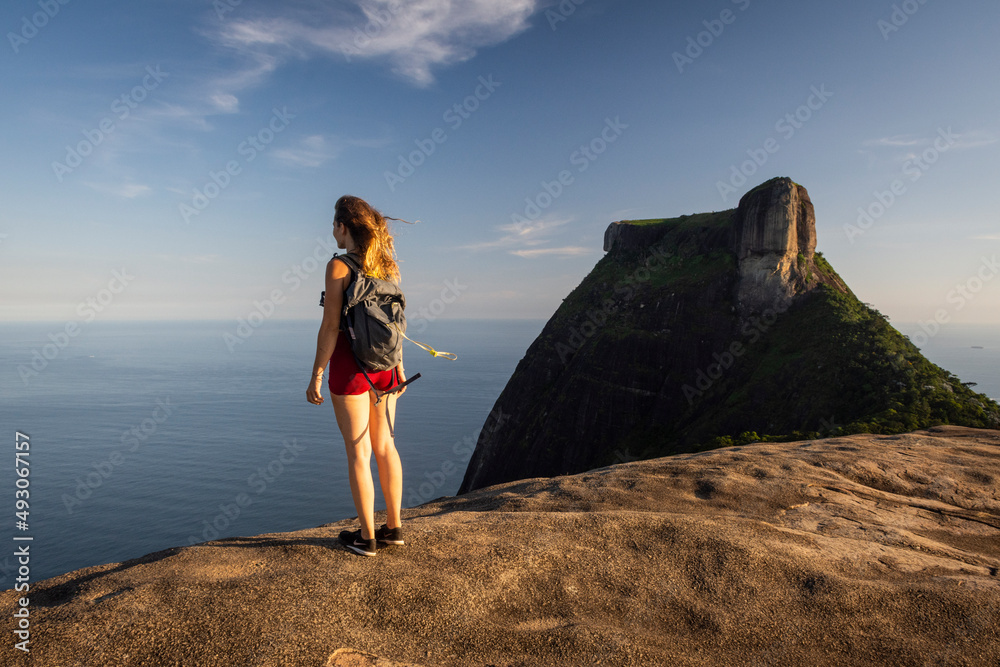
pixel 352 265
pixel 351 261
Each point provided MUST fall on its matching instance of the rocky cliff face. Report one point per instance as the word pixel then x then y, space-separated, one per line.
pixel 774 239
pixel 696 331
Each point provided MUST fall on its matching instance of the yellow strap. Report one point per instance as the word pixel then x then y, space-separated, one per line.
pixel 451 356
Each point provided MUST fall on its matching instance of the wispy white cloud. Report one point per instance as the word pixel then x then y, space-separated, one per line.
pixel 894 141
pixel 519 235
pixel 976 139
pixel 316 150
pixel 311 151
pixel 898 149
pixel 256 66
pixel 531 239
pixel 226 102
pixel 987 237
pixel 175 114
pixel 412 37
pixel 535 227
pixel 958 141
pixel 125 190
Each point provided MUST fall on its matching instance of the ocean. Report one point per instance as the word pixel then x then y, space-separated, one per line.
pixel 145 436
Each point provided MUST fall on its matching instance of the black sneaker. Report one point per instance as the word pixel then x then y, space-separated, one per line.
pixel 386 535
pixel 359 545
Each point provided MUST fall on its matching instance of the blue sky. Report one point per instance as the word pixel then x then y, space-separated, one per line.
pixel 180 159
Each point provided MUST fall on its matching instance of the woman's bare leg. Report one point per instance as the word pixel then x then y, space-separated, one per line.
pixel 353 420
pixel 390 470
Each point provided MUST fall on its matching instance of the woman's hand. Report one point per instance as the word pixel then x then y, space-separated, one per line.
pixel 314 393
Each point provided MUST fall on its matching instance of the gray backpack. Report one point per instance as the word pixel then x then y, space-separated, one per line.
pixel 373 319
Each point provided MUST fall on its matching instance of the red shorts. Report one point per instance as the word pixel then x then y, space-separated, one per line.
pixel 345 377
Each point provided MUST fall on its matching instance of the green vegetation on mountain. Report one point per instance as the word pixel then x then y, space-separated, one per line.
pixel 828 366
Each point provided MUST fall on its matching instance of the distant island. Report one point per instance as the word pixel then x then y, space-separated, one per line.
pixel 709 330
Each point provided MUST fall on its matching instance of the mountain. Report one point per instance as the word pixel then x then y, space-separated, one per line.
pixel 708 330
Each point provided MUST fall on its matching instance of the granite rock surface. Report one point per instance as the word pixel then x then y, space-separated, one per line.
pixel 861 550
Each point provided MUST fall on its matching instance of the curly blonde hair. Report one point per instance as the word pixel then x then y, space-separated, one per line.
pixel 371 236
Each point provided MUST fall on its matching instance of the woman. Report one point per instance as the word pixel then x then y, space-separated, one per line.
pixel 361 231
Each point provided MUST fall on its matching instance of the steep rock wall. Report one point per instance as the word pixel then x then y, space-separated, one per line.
pixel 774 239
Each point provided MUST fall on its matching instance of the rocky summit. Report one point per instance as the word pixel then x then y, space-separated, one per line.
pixel 709 330
pixel 856 550
pixel 774 240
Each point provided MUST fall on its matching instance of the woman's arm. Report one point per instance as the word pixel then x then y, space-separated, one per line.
pixel 338 277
